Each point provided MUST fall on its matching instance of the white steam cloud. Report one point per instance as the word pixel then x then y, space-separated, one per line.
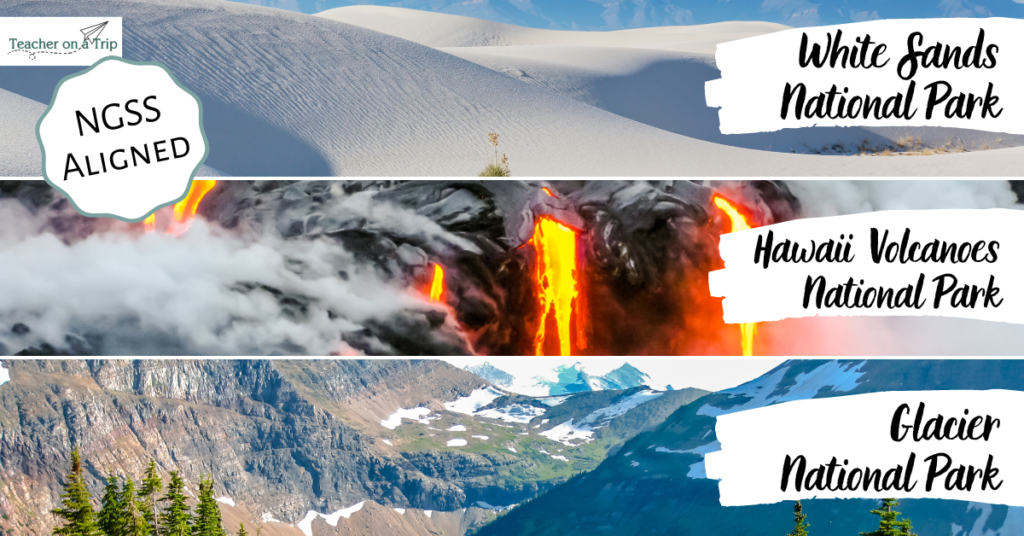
pixel 206 292
pixel 894 336
pixel 839 197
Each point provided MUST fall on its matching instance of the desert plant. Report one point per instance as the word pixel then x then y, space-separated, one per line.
pixel 496 168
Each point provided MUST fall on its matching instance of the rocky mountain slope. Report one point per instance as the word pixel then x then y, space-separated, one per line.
pixel 655 483
pixel 323 447
pixel 282 438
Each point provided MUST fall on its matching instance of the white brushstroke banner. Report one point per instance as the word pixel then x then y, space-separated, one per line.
pixel 886 263
pixel 957 445
pixel 961 73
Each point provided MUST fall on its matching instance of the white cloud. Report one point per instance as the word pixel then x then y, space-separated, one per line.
pixel 861 16
pixel 206 292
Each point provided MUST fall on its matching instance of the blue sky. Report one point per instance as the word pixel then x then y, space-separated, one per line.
pixel 622 14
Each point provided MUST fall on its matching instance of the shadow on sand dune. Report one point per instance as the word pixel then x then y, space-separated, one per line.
pixel 240 144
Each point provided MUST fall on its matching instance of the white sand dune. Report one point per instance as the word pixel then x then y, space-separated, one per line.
pixel 652 75
pixel 18 115
pixel 286 94
pixel 665 89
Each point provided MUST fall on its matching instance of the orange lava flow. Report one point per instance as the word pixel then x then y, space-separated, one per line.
pixel 739 223
pixel 185 210
pixel 557 284
pixel 437 285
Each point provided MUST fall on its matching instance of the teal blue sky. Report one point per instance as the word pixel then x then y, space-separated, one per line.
pixel 622 14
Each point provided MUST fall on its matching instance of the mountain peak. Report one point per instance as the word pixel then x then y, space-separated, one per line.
pixel 491 373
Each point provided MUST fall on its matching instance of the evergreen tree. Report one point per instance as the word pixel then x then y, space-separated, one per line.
pixel 151 487
pixel 890 524
pixel 76 504
pixel 241 530
pixel 175 518
pixel 207 519
pixel 109 516
pixel 133 521
pixel 801 524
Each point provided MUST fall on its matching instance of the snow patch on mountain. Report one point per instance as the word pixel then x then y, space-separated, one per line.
pixel 414 414
pixel 518 413
pixel 574 434
pixel 1013 524
pixel 226 500
pixel 457 443
pixel 479 398
pixel 606 414
pixel 568 434
pixel 306 525
pixel 488 506
pixel 713 446
pixel 457 428
pixel 839 377
pixel 553 400
pixel 4 375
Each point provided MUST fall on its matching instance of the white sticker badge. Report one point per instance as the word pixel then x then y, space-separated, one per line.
pixel 122 139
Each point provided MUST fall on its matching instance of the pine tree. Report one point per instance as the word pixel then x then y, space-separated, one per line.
pixel 174 520
pixel 207 519
pixel 801 524
pixel 890 524
pixel 151 487
pixel 76 504
pixel 241 530
pixel 133 521
pixel 109 516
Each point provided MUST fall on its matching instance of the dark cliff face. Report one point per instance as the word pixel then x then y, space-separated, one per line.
pixel 283 437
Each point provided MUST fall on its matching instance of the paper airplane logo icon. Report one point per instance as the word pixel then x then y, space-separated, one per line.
pixel 94 31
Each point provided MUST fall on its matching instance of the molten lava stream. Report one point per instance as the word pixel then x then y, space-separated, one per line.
pixel 739 223
pixel 437 284
pixel 183 211
pixel 557 283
